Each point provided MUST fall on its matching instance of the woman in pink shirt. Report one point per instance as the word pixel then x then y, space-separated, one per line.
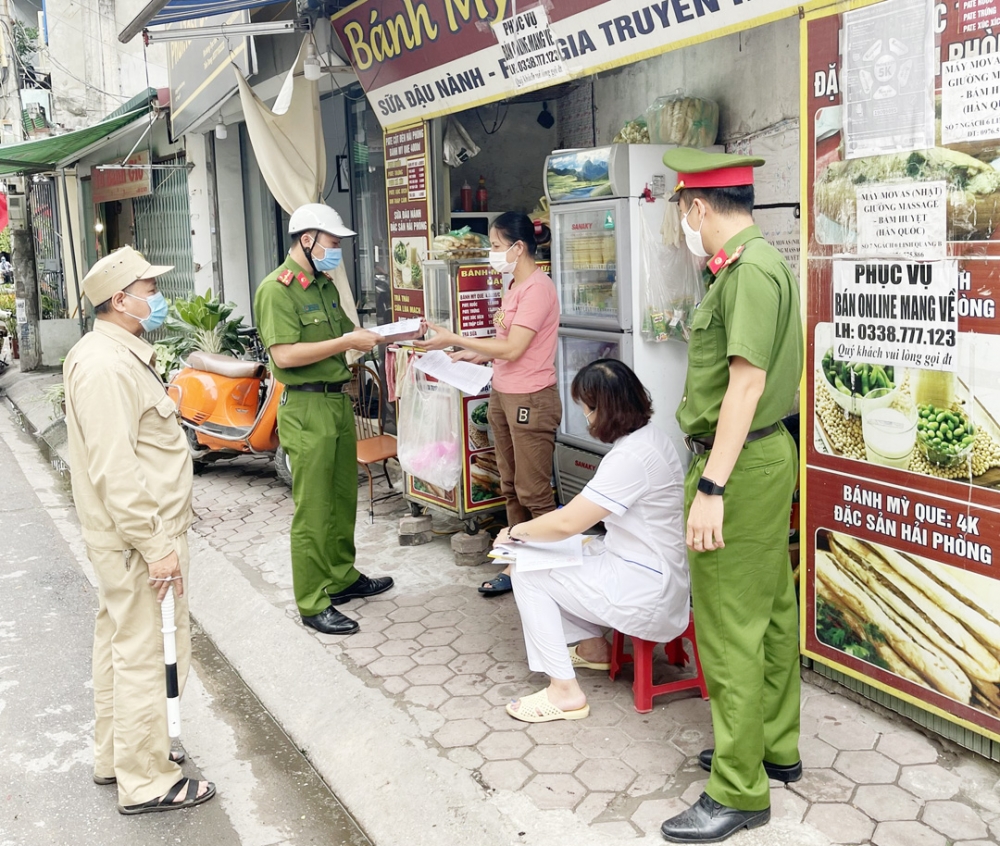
pixel 525 409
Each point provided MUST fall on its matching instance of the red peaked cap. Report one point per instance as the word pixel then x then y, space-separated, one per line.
pixel 700 169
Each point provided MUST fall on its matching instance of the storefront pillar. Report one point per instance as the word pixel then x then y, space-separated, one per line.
pixel 26 295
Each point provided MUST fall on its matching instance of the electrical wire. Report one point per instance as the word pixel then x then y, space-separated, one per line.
pixel 30 72
pixel 497 120
pixel 120 97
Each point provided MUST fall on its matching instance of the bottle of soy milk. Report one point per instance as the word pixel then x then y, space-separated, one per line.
pixel 934 387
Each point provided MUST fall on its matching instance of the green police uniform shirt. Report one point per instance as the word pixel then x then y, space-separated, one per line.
pixel 292 306
pixel 751 310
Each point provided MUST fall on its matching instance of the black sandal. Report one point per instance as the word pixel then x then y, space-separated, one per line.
pixel 167 803
pixel 499 584
pixel 177 756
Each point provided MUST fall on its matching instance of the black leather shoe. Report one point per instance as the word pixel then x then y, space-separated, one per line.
pixel 362 589
pixel 709 822
pixel 793 772
pixel 331 621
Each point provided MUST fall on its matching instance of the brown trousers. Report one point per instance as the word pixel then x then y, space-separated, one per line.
pixel 130 699
pixel 524 433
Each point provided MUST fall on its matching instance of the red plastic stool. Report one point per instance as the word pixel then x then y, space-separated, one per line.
pixel 643 689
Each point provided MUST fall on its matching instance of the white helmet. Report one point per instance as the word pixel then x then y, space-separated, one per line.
pixel 313 216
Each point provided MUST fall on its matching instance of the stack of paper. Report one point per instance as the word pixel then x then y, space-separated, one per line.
pixel 469 378
pixel 543 556
pixel 407 326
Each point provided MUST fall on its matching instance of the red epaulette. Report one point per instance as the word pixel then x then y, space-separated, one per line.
pixel 286 277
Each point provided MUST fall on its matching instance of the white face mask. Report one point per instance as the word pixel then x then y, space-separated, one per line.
pixel 693 236
pixel 498 261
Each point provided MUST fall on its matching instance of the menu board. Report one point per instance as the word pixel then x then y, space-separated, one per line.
pixel 901 406
pixel 406 179
pixel 480 289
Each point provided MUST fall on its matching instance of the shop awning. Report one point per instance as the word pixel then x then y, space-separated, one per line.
pixel 174 11
pixel 46 153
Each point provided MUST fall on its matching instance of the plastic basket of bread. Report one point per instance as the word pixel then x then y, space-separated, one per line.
pixel 460 243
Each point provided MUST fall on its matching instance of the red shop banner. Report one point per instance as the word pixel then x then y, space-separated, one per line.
pixel 901 401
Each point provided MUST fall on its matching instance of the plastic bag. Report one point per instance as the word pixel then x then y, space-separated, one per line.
pixel 429 441
pixel 458 146
pixel 634 132
pixel 671 282
pixel 461 243
pixel 686 121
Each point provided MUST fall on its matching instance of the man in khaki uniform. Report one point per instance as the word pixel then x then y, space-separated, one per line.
pixel 132 476
pixel 744 366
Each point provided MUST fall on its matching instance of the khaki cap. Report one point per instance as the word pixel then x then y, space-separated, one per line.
pixel 116 271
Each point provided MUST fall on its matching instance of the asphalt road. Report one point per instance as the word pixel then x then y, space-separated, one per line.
pixel 268 792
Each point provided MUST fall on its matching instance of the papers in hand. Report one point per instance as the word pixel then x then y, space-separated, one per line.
pixel 469 378
pixel 401 327
pixel 543 556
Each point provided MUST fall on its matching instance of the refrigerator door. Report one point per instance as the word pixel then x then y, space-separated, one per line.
pixel 590 264
pixel 578 347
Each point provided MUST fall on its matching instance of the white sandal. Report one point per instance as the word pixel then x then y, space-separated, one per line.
pixel 582 663
pixel 537 708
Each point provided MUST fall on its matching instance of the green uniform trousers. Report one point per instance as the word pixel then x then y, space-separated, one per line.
pixel 747 624
pixel 317 432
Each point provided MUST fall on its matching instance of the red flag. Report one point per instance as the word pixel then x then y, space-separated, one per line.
pixel 4 217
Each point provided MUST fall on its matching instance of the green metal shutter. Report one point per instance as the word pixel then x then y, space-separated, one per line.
pixel 163 229
pixel 48 248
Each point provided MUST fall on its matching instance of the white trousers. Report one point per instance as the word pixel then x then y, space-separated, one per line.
pixel 552 616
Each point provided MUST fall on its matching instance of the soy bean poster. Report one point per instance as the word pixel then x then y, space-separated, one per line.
pixel 901 402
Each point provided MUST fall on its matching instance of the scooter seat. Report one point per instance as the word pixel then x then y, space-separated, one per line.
pixel 224 365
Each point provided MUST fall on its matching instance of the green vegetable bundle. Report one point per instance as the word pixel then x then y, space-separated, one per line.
pixel 853 378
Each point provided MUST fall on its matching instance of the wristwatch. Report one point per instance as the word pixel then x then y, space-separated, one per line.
pixel 707 486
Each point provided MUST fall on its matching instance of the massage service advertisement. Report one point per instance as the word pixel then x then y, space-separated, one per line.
pixel 901 401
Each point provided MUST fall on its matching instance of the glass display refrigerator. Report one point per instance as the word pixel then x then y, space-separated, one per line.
pixel 595 198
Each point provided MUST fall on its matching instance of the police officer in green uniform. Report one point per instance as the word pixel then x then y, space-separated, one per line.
pixel 744 366
pixel 307 335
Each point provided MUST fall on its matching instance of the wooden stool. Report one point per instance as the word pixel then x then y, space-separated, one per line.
pixel 643 689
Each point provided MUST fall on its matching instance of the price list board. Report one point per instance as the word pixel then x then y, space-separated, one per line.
pixel 901 396
pixel 406 177
pixel 480 290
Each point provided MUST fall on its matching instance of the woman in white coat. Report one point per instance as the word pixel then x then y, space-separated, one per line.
pixel 636 579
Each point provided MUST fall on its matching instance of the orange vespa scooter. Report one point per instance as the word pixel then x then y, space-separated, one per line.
pixel 229 406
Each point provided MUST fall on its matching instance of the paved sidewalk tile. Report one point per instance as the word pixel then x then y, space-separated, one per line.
pixel 452 659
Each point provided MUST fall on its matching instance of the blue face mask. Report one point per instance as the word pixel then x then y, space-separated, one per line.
pixel 157 311
pixel 332 256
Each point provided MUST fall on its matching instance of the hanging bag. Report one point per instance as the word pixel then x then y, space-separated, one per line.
pixel 429 440
pixel 670 279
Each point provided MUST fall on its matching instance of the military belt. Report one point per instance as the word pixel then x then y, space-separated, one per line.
pixel 319 387
pixel 699 446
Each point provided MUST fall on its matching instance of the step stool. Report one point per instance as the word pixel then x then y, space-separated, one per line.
pixel 643 689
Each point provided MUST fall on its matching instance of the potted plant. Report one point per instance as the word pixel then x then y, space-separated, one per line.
pixel 202 322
